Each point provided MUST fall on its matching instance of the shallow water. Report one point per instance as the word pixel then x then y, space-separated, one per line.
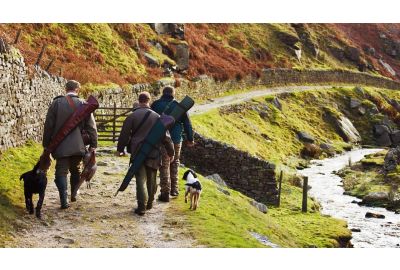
pixel 327 189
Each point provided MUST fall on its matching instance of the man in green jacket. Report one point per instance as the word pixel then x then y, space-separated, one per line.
pixel 181 129
pixel 134 131
pixel 69 153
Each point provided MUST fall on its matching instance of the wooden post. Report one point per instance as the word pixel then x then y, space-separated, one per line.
pixel 40 55
pixel 3 46
pixel 18 37
pixel 114 117
pixel 305 189
pixel 280 189
pixel 50 64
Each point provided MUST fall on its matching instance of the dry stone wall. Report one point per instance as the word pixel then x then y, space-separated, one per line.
pixel 241 171
pixel 24 100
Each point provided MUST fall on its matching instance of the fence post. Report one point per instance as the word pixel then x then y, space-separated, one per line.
pixel 50 64
pixel 18 37
pixel 305 189
pixel 114 116
pixel 3 46
pixel 40 55
pixel 280 189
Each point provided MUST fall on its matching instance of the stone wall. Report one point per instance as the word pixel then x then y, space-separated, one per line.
pixel 24 99
pixel 204 87
pixel 250 175
pixel 278 77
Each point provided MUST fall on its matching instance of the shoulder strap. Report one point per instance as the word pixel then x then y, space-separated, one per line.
pixel 168 105
pixel 71 103
pixel 141 122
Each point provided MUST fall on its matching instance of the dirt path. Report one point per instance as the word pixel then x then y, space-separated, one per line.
pixel 237 98
pixel 98 219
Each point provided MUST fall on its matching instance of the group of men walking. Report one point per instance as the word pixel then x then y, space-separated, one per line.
pixel 164 156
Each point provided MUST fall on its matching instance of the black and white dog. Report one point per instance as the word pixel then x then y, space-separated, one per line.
pixel 35 182
pixel 193 187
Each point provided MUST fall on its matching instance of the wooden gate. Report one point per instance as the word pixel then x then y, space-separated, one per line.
pixel 109 122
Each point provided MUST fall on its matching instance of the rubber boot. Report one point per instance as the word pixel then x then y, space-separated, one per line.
pixel 141 209
pixel 163 197
pixel 74 181
pixel 61 183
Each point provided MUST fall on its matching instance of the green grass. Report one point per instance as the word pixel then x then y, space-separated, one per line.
pixel 225 221
pixel 273 137
pixel 13 163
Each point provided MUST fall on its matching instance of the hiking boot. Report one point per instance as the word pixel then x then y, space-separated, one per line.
pixel 163 197
pixel 139 211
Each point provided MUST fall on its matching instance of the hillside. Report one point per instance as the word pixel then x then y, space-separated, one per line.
pixel 132 53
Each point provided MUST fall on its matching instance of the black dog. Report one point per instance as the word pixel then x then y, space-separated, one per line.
pixel 35 182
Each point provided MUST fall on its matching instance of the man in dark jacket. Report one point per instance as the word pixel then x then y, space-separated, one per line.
pixel 134 131
pixel 182 127
pixel 69 153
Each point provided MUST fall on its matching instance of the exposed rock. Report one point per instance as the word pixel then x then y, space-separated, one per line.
pixel 374 215
pixel 338 53
pixel 297 52
pixel 277 103
pixel 392 159
pixel 395 104
pixel 181 56
pixel 217 179
pixel 306 38
pixel 310 150
pixel 370 50
pixel 375 196
pixel 327 148
pixel 359 90
pixel 395 137
pixel 361 110
pixel 387 67
pixel 305 137
pixel 347 131
pixel 354 103
pixel 353 54
pixel 260 206
pixel 151 60
pixel 382 135
pixel 355 230
pixel 288 39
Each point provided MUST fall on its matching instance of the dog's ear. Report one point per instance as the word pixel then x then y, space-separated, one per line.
pixel 185 175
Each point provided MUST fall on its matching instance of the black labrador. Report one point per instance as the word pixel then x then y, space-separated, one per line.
pixel 35 182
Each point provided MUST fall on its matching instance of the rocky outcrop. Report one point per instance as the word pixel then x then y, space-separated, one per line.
pixel 305 137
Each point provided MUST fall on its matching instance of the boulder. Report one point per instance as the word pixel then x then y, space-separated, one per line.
pixel 338 53
pixel 297 52
pixel 217 179
pixel 374 215
pixel 354 103
pixel 310 150
pixel 395 137
pixel 347 131
pixel 382 135
pixel 375 197
pixel 395 104
pixel 353 54
pixel 305 137
pixel 260 206
pixel 181 56
pixel 327 148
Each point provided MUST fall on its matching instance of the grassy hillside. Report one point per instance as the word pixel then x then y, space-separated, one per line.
pixel 227 220
pixel 12 164
pixel 115 53
pixel 261 129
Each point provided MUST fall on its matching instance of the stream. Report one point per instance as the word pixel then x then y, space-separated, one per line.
pixel 327 189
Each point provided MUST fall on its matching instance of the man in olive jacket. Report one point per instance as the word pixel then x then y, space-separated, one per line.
pixel 134 131
pixel 69 153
